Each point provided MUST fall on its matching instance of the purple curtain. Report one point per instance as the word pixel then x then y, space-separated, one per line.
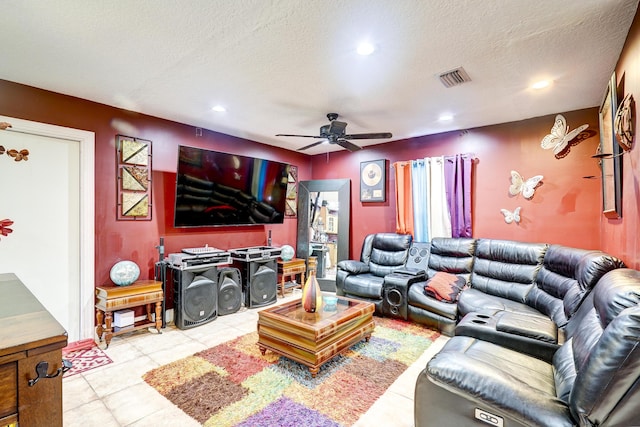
pixel 457 175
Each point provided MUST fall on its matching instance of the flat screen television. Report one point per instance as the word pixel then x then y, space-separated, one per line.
pixel 220 189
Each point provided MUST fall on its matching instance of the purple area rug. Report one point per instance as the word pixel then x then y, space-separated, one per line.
pixel 233 384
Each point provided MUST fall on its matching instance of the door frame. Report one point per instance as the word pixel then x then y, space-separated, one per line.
pixel 86 140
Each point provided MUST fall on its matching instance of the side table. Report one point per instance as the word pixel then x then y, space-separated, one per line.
pixel 110 298
pixel 291 269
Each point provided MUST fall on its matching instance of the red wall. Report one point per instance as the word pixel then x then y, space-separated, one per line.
pixel 136 240
pixel 565 209
pixel 620 236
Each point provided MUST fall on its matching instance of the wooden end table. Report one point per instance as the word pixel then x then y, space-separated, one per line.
pixel 291 269
pixel 110 298
pixel 314 338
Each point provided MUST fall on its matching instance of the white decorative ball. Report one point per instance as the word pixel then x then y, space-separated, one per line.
pixel 287 253
pixel 124 273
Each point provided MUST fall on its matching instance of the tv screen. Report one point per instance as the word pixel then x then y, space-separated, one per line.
pixel 218 189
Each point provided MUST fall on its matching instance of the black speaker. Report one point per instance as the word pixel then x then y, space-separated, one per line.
pixel 419 256
pixel 260 287
pixel 394 298
pixel 229 291
pixel 195 298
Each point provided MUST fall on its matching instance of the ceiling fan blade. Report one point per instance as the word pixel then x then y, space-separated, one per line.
pixel 349 146
pixel 379 135
pixel 301 136
pixel 311 145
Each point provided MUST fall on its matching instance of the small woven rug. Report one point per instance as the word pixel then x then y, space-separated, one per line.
pixel 233 384
pixel 85 359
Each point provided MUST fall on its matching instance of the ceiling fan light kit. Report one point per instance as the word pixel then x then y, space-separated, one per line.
pixel 335 133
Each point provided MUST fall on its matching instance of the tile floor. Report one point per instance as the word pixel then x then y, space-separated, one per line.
pixel 115 394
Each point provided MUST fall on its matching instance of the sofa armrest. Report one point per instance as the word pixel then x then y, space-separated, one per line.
pixel 353 266
pixel 412 272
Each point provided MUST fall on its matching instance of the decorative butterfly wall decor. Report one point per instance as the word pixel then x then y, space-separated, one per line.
pixel 510 217
pixel 519 185
pixel 560 138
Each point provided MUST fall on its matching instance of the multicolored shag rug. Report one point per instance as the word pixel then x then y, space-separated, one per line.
pixel 233 384
pixel 85 359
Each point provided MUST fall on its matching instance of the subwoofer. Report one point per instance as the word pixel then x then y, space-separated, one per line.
pixel 260 287
pixel 229 291
pixel 394 297
pixel 195 298
pixel 419 256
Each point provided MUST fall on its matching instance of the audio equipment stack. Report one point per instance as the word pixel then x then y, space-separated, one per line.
pixel 259 273
pixel 195 284
pixel 199 258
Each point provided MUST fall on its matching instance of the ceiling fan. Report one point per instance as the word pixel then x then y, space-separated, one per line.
pixel 335 133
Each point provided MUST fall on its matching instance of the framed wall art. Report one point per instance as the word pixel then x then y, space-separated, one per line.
pixel 133 178
pixel 373 181
pixel 292 192
pixel 610 160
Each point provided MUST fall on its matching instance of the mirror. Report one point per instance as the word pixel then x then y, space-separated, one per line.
pixel 323 226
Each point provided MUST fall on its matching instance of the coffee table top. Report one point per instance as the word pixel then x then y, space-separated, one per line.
pixel 320 323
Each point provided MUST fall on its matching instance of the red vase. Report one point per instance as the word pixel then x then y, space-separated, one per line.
pixel 311 294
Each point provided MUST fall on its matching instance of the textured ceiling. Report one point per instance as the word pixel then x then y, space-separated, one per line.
pixel 280 66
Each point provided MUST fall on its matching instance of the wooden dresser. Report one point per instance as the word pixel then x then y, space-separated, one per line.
pixel 29 335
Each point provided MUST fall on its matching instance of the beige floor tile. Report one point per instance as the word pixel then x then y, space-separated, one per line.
pixel 134 403
pixel 112 378
pixel 150 343
pixel 92 414
pixel 76 391
pixel 181 351
pixel 390 410
pixel 122 352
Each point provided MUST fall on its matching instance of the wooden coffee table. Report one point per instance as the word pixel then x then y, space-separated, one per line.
pixel 314 338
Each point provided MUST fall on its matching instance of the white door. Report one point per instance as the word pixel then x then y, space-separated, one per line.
pixel 42 194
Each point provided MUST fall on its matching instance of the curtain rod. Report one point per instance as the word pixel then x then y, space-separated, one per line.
pixel 449 157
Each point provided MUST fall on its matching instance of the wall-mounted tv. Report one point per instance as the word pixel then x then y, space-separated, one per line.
pixel 221 189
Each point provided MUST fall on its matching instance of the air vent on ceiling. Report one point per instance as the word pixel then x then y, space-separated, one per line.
pixel 454 77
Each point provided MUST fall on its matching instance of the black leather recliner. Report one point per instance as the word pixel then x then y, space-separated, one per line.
pixel 382 254
pixel 592 380
pixel 453 256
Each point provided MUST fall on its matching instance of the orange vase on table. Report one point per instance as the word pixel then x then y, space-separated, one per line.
pixel 311 294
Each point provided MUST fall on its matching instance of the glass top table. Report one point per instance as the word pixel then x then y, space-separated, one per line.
pixel 314 338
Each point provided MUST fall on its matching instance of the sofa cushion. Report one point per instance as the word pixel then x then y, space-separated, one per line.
pixel 516 385
pixel 453 255
pixel 416 297
pixel 566 276
pixel 506 268
pixel 364 285
pixel 471 300
pixel 385 252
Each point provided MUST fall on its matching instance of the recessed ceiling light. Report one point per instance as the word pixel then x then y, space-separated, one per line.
pixel 445 117
pixel 219 109
pixel 540 84
pixel 366 48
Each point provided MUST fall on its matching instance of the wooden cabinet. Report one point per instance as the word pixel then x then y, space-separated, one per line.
pixel 29 335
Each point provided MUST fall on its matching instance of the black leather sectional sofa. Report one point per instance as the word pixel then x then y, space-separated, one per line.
pixel 543 335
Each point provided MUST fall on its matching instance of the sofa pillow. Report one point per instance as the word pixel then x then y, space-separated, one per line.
pixel 444 286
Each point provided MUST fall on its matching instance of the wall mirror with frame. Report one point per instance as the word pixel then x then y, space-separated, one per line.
pixel 323 226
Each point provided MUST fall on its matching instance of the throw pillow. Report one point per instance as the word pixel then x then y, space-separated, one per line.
pixel 444 286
